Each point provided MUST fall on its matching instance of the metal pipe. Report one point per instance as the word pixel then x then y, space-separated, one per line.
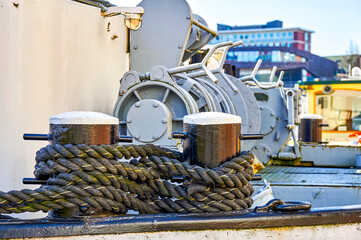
pixel 213 49
pixel 100 3
pixel 256 68
pixel 254 136
pixel 224 55
pixel 290 109
pixel 205 28
pixel 33 181
pixel 124 138
pixel 256 177
pixel 210 74
pixel 273 73
pixel 219 68
pixel 178 179
pixel 184 68
pixel 196 66
pixel 296 144
pixel 39 137
pixel 252 77
pixel 281 76
pixel 258 84
pixel 179 135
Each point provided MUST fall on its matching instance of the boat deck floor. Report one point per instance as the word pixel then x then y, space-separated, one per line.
pixel 312 176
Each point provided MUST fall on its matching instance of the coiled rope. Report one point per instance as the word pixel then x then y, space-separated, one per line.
pixel 118 178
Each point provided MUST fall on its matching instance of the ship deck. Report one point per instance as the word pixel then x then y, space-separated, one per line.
pixel 320 186
pixel 312 176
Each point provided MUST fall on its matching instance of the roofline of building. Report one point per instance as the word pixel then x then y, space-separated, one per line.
pixel 264 30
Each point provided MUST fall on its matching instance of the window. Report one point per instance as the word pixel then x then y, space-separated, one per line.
pixel 283 34
pixel 271 35
pixel 290 34
pixel 306 36
pixel 246 36
pixel 265 35
pixel 340 109
pixel 241 37
pixel 306 47
pixel 289 44
pixel 278 34
pixel 259 35
pixel 253 35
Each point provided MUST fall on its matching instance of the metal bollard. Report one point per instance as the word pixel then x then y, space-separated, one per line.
pixel 82 127
pixel 211 138
pixel 310 129
pixel 89 128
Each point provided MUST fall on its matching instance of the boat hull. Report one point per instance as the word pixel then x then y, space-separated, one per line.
pixel 321 223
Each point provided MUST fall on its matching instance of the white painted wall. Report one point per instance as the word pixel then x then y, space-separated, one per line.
pixel 55 56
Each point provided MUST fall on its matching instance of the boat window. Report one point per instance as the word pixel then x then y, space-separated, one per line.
pixel 341 110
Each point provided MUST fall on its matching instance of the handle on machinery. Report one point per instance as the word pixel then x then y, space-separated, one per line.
pixel 224 56
pixel 214 48
pixel 39 137
pixel 182 135
pixel 323 125
pixel 205 28
pixel 33 181
pixel 256 177
pixel 273 73
pixel 124 138
pixel 255 136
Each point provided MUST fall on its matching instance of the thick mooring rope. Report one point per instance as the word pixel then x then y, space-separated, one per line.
pixel 94 178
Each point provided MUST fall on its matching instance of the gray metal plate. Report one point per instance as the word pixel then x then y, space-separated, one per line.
pixel 156 42
pixel 312 176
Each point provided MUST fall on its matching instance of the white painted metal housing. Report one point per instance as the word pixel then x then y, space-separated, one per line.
pixel 55 56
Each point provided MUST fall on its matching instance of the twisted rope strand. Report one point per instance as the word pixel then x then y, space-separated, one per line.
pixel 96 177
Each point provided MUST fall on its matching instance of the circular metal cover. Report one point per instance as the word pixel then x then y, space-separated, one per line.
pixel 147 120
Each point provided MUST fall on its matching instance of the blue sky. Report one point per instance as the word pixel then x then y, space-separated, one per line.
pixel 336 23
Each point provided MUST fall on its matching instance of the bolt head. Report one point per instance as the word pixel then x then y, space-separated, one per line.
pixel 135 47
pixel 180 46
pixel 137 136
pixel 129 120
pixel 155 105
pixel 261 108
pixel 188 17
pixel 137 104
pixel 164 121
pixel 272 114
pixel 155 137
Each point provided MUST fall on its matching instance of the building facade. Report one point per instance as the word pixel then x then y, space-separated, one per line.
pixel 287 48
pixel 271 34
